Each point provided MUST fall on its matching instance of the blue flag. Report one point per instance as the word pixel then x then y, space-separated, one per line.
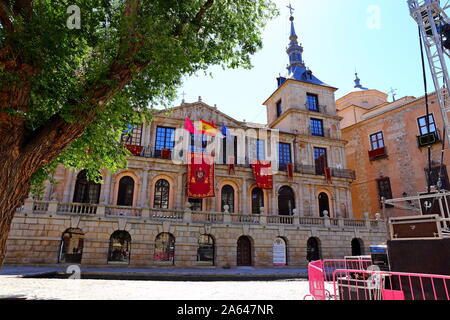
pixel 225 131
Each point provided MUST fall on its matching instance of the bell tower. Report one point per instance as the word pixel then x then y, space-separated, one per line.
pixel 299 91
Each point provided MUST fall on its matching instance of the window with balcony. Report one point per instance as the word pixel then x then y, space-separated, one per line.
pixel 260 149
pixel 423 127
pixel 86 191
pixel 320 160
pixel 378 148
pixel 312 102
pixel 428 132
pixel 196 204
pixel 229 150
pixel 132 136
pixel 165 142
pixel 257 200
pixel 317 127
pixel 126 191
pixel 199 142
pixel 227 198
pixel 286 201
pixel 161 196
pixel 284 155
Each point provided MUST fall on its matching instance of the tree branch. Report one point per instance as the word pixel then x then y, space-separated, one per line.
pixel 5 17
pixel 197 19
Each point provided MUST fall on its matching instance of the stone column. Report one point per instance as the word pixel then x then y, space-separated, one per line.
pixel 69 185
pixel 106 190
pixel 181 194
pixel 143 197
pixel 274 203
pixel 244 199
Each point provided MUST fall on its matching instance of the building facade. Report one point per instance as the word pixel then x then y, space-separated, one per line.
pixel 141 216
pixel 388 147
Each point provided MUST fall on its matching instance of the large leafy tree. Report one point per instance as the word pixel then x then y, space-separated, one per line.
pixel 70 84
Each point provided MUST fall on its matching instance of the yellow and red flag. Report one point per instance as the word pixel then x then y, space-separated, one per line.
pixel 208 129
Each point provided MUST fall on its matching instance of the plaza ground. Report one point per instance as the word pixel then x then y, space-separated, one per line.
pixel 12 283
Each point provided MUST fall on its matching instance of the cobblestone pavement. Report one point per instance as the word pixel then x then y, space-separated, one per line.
pixel 62 289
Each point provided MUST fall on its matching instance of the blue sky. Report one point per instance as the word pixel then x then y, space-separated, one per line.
pixel 338 36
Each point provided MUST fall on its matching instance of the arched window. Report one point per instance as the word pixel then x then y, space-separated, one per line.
pixel 257 200
pixel 71 246
pixel 357 247
pixel 324 204
pixel 86 191
pixel 161 196
pixel 205 250
pixel 164 248
pixel 286 201
pixel 119 247
pixel 228 198
pixel 313 249
pixel 126 192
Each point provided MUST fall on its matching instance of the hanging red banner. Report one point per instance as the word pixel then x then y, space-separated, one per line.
pixel 328 175
pixel 290 170
pixel 262 171
pixel 200 176
pixel 135 150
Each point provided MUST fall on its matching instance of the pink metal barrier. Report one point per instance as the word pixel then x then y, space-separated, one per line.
pixel 381 285
pixel 321 272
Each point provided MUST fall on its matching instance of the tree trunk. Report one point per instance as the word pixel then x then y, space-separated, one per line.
pixel 15 184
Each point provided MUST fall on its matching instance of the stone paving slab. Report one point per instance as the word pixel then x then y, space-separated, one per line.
pixel 57 289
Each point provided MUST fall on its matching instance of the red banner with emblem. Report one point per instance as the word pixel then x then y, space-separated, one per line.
pixel 262 171
pixel 200 176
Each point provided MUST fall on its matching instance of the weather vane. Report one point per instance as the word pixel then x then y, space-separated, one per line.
pixel 291 9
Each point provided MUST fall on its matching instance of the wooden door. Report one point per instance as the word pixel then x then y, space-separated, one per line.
pixel 244 252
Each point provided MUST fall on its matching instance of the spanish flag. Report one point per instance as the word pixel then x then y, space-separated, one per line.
pixel 208 129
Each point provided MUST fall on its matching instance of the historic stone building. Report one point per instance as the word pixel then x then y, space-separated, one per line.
pixel 141 215
pixel 388 147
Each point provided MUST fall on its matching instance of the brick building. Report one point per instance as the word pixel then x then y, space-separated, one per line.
pixel 388 147
pixel 141 216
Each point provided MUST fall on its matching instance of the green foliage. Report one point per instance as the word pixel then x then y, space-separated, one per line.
pixel 72 62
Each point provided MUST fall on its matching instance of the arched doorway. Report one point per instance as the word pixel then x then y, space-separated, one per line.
pixel 72 243
pixel 357 247
pixel 119 247
pixel 244 252
pixel 286 201
pixel 313 249
pixel 324 204
pixel 205 250
pixel 165 248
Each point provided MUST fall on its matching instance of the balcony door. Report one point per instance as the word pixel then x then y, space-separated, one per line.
pixel 320 160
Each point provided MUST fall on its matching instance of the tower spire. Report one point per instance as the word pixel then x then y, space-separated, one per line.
pixel 297 69
pixel 295 50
